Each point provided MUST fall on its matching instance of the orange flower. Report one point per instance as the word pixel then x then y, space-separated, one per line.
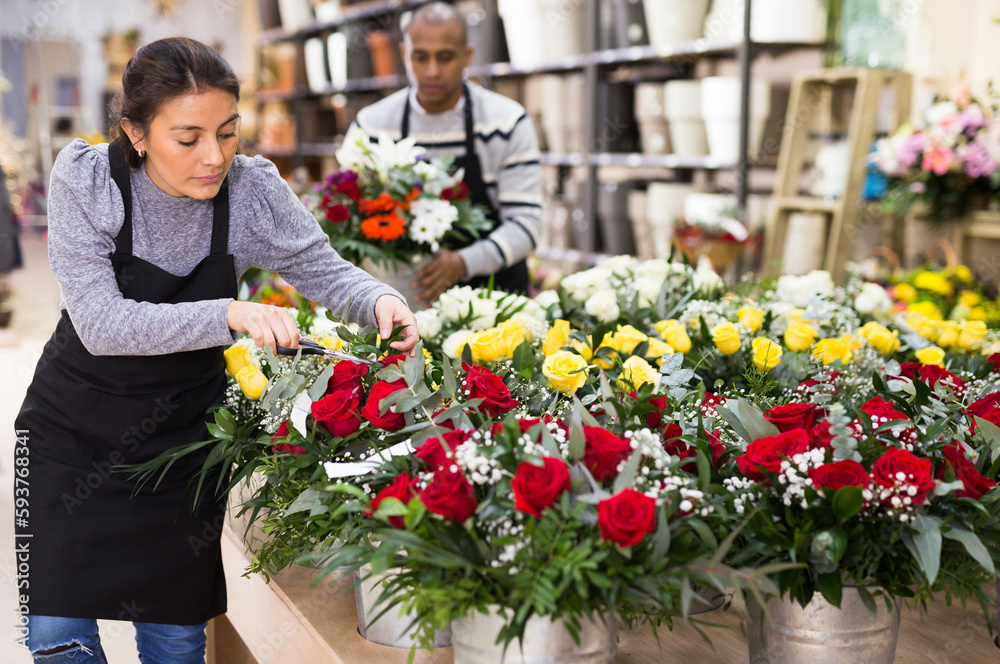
pixel 383 227
pixel 384 204
pixel 410 197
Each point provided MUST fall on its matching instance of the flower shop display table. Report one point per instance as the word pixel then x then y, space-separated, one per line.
pixel 289 621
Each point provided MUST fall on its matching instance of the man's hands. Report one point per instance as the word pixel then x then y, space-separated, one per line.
pixel 390 313
pixel 268 325
pixel 443 272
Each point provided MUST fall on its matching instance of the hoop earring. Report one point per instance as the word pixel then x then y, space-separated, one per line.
pixel 139 151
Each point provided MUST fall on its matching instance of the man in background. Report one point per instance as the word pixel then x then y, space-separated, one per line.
pixel 491 138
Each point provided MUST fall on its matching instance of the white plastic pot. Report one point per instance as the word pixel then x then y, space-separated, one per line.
pixel 649 101
pixel 720 104
pixel 772 21
pixel 315 59
pixel 805 239
pixel 564 24
pixel 682 108
pixel 552 90
pixel 707 208
pixel 664 208
pixel 655 136
pixel 525 29
pixel 672 22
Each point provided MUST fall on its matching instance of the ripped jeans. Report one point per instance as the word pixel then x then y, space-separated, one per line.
pixel 158 644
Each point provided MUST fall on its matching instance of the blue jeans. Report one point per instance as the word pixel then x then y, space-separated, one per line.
pixel 158 644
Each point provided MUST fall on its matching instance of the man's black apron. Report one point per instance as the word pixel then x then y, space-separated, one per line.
pixel 95 550
pixel 513 279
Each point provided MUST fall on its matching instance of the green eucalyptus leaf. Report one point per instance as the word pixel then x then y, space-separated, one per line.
pixel 973 545
pixel 319 386
pixel 925 545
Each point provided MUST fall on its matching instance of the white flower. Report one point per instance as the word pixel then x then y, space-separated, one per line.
pixel 354 153
pixel 872 299
pixel 432 218
pixel 547 298
pixel 454 302
pixel 939 112
pixel 798 290
pixel 648 289
pixel 455 341
pixel 582 285
pixel 706 279
pixel 428 322
pixel 620 266
pixel 603 305
pixel 433 178
pixel 484 312
pixel 388 154
pixel 655 268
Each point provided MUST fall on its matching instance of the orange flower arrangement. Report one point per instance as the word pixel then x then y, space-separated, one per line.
pixel 384 227
pixel 383 204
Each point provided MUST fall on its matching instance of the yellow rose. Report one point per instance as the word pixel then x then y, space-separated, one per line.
pixel 514 333
pixel 922 325
pixel 625 339
pixel 565 370
pixel 603 360
pixel 557 336
pixel 931 355
pixel 726 338
pixel 963 273
pixel 934 282
pixel 926 308
pixel 799 336
pixel 237 357
pixel 968 299
pixel 766 353
pixel 488 345
pixel 946 333
pixel 675 334
pixel 657 349
pixel 252 381
pixel 883 340
pixel 971 333
pixel 336 343
pixel 977 313
pixel 637 372
pixel 905 292
pixel 750 317
pixel 829 351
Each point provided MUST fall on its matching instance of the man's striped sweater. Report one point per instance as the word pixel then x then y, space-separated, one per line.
pixel 508 150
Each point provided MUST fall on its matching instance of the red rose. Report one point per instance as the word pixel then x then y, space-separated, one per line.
pixel 538 487
pixel 793 416
pixel 673 444
pixel 916 472
pixel 396 360
pixel 882 411
pixel 350 189
pixel 282 431
pixel 457 193
pixel 840 474
pixel 931 374
pixel 982 406
pixel 709 404
pixel 626 518
pixel 768 453
pixel 993 417
pixel 338 412
pixel 449 495
pixel 439 452
pixel 403 488
pixel 654 418
pixel 975 484
pixel 481 383
pixel 338 213
pixel 909 369
pixel 820 436
pixel 372 410
pixel 287 448
pixel 804 386
pixel 994 359
pixel 718 449
pixel 604 452
pixel 346 376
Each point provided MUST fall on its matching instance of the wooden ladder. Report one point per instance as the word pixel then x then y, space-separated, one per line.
pixel 816 98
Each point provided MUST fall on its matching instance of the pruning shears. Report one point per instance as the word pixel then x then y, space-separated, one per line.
pixel 310 347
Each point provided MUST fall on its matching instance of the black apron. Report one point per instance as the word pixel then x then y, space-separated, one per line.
pixel 95 549
pixel 513 279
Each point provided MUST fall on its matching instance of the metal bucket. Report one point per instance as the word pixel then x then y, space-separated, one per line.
pixel 820 633
pixel 545 641
pixel 391 628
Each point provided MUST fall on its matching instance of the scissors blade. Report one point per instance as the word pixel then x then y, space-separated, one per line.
pixel 339 355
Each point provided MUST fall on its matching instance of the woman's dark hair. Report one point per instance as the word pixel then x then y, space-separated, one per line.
pixel 159 72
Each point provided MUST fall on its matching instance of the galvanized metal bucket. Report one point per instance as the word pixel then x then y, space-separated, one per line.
pixel 821 633
pixel 545 641
pixel 390 629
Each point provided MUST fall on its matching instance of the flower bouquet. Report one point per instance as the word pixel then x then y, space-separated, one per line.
pixel 946 164
pixel 389 205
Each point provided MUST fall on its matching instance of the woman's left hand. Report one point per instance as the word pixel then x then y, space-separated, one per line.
pixel 390 313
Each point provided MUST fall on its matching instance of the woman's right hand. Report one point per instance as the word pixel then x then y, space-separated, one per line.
pixel 268 325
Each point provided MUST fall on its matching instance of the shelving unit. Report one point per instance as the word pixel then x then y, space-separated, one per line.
pixel 600 67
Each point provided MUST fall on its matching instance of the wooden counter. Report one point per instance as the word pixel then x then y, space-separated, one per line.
pixel 291 622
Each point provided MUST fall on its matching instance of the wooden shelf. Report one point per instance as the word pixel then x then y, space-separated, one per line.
pixel 355 13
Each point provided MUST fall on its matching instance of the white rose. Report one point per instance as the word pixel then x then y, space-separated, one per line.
pixel 603 305
pixel 872 299
pixel 656 268
pixel 705 279
pixel 484 313
pixel 799 290
pixel 531 309
pixel 582 285
pixel 455 341
pixel 620 266
pixel 429 323
pixel 547 298
pixel 454 302
pixel 648 289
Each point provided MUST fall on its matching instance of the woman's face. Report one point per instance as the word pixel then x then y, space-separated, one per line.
pixel 190 144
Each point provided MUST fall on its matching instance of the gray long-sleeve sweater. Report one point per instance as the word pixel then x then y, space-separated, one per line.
pixel 508 150
pixel 269 228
